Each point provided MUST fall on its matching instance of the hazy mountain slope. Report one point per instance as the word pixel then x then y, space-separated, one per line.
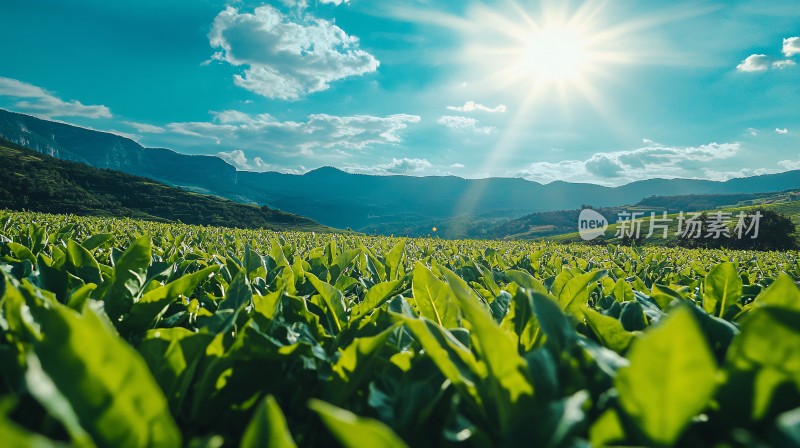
pixel 386 204
pixel 36 182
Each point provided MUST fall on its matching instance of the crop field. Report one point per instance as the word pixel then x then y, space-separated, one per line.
pixel 120 333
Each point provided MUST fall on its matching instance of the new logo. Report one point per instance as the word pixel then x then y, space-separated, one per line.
pixel 591 224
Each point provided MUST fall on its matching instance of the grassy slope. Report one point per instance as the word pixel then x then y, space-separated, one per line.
pixel 36 182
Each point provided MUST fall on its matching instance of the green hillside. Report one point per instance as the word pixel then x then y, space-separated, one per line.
pixel 786 204
pixel 36 182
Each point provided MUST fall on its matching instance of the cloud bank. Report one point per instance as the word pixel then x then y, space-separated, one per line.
pixel 40 102
pixel 283 57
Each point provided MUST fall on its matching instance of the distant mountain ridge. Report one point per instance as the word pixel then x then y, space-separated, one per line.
pixel 111 151
pixel 38 182
pixel 402 205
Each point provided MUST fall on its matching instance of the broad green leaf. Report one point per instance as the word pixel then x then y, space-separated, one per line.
pixel 78 297
pixel 173 355
pixel 95 241
pixel 608 330
pixel 623 292
pixel 723 287
pixel 393 261
pixel 276 253
pixel 21 252
pixel 671 378
pixel 499 306
pixel 238 297
pixel 341 262
pixel 527 281
pixel 106 383
pixel 82 263
pixel 356 363
pixel 333 299
pixel 783 292
pixel 664 295
pixel 153 303
pixel 607 430
pixel 434 298
pixel 561 279
pixel 575 294
pixel 769 346
pixel 506 368
pixel 239 293
pixel 557 327
pixel 374 298
pixel 454 360
pixel 268 427
pixel 524 321
pixel 130 274
pixel 353 431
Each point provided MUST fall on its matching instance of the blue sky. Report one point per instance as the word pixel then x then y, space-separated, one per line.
pixel 584 91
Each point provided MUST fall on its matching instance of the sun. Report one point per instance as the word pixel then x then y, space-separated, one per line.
pixel 555 54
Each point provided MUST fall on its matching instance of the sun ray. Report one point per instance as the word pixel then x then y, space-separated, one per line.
pixel 558 57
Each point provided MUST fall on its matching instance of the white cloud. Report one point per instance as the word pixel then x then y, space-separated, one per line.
pixel 283 58
pixel 472 106
pixel 145 128
pixel 780 65
pixel 761 62
pixel 728 175
pixel 790 164
pixel 546 172
pixel 791 46
pixel 39 101
pixel 238 159
pixel 754 63
pixel 457 166
pixel 752 132
pixel 291 138
pixel 464 124
pixel 396 166
pixel 612 168
pixel 780 131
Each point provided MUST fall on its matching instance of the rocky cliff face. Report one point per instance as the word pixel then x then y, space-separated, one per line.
pixel 104 150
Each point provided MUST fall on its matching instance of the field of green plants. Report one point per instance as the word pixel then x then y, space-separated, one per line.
pixel 128 333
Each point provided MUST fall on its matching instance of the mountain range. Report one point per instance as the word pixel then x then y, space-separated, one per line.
pixel 37 182
pixel 401 205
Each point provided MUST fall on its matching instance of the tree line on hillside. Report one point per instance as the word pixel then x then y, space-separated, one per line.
pixel 36 182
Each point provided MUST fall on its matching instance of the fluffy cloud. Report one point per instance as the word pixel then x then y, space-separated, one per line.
pixel 39 101
pixel 786 63
pixel 780 131
pixel 613 168
pixel 283 58
pixel 790 164
pixel 472 106
pixel 289 138
pixel 791 46
pixel 145 128
pixel 754 63
pixel 238 159
pixel 761 62
pixel 396 166
pixel 744 172
pixel 464 124
pixel 457 166
pixel 546 172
